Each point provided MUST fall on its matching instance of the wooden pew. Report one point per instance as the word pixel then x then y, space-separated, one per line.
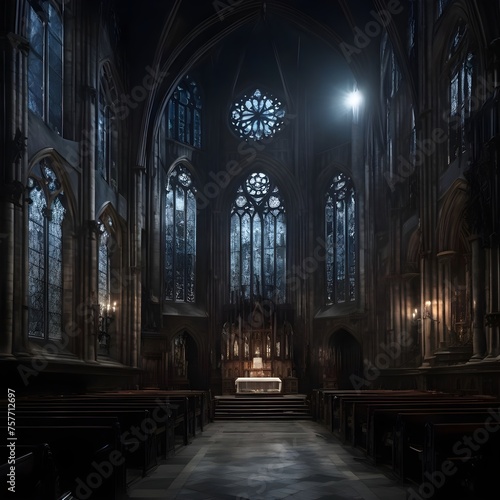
pixel 352 411
pixel 457 468
pixel 187 412
pixel 88 459
pixel 380 421
pixel 139 448
pixel 341 404
pixel 409 436
pixel 188 408
pixel 36 475
pixel 323 401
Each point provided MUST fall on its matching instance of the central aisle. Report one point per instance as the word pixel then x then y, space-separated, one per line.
pixel 254 460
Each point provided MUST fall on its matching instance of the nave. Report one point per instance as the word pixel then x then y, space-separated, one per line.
pixel 254 460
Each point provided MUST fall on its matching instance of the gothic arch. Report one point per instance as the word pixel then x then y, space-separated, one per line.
pixel 187 163
pixel 186 366
pixel 108 209
pixel 64 296
pixel 343 360
pixel 59 166
pixel 325 176
pixel 291 192
pixel 203 34
pixel 467 13
pixel 451 227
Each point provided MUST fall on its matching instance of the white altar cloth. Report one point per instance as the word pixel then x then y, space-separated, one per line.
pixel 257 384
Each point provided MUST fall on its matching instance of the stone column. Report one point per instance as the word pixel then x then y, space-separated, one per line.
pixel 478 299
pixel 445 296
pixel 13 161
pixel 427 325
pixel 493 314
pixel 86 64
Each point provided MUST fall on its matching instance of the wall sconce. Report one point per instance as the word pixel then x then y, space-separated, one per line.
pixel 428 311
pixel 414 315
pixel 106 317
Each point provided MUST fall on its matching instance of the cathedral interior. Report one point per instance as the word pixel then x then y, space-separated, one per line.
pixel 196 192
pixel 189 187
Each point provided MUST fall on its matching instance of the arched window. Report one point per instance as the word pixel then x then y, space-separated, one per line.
pixel 341 242
pixel 106 128
pixel 107 306
pixel 45 63
pixel 180 241
pixel 461 70
pixel 104 262
pixel 391 84
pixel 184 113
pixel 258 241
pixel 45 249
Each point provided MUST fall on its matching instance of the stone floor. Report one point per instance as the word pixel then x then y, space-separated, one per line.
pixel 253 460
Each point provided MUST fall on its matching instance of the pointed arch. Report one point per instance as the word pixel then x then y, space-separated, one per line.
pixel 107 128
pixel 341 236
pixel 258 240
pixel 184 113
pixel 45 33
pixel 180 234
pixel 451 227
pixel 344 360
pixel 46 250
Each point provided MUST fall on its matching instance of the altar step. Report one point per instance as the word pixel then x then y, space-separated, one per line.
pixel 251 407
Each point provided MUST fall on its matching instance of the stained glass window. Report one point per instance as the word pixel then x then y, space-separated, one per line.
pixel 45 63
pixel 461 64
pixel 106 129
pixel 412 22
pixel 180 240
pixel 460 91
pixel 104 266
pixel 257 116
pixel 258 241
pixel 340 228
pixel 45 280
pixel 184 113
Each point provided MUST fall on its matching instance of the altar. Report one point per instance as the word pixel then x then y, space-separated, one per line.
pixel 258 385
pixel 256 353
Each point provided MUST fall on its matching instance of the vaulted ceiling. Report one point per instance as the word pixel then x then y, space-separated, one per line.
pixel 248 40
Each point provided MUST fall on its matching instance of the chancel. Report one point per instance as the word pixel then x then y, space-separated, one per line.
pixel 223 211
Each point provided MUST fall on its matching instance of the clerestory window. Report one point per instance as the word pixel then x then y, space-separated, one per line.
pixel 184 113
pixel 180 236
pixel 341 240
pixel 45 63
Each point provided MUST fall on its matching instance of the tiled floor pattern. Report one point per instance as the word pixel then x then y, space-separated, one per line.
pixel 252 460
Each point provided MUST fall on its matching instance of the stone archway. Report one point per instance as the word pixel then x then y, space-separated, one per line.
pixel 185 363
pixel 343 361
